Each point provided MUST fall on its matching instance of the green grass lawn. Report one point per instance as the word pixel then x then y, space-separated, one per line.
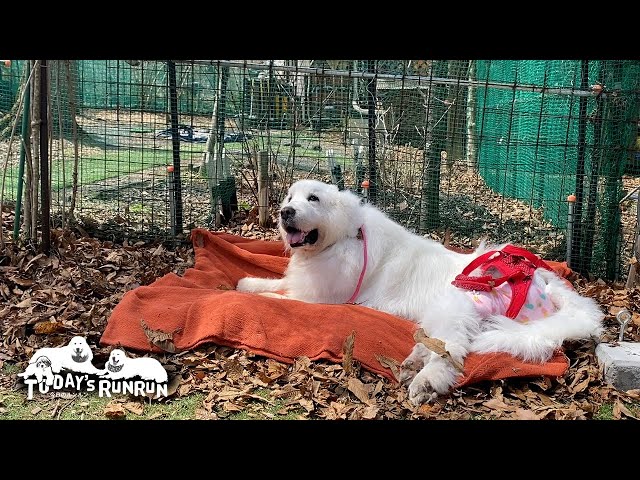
pixel 14 405
pixel 99 165
pixel 306 146
pixel 114 163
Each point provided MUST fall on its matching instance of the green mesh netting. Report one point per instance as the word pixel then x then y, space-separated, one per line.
pixel 142 85
pixel 530 145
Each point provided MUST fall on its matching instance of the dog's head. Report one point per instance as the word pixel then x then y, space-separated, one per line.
pixel 80 350
pixel 315 215
pixel 43 363
pixel 116 361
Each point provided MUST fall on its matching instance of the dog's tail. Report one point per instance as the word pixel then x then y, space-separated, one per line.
pixel 576 318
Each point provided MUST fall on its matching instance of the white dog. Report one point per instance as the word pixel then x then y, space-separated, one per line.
pixel 76 356
pixel 347 251
pixel 147 368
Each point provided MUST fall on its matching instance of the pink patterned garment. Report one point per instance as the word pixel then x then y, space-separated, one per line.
pixel 497 300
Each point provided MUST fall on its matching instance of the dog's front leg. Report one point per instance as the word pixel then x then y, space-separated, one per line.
pixel 453 320
pixel 258 285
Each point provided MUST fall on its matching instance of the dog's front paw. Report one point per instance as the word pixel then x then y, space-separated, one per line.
pixel 250 284
pixel 274 295
pixel 436 378
pixel 415 362
pixel 421 391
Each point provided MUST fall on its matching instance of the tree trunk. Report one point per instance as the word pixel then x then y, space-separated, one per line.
pixel 435 143
pixel 456 113
pixel 64 93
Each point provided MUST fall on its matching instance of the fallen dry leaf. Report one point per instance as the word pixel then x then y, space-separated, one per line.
pixel 495 404
pixel 114 410
pixel 359 389
pixel 435 345
pixel 46 328
pixel 24 303
pixel 347 353
pixel 391 364
pixel 159 338
pixel 620 409
pixel 522 414
pixel 136 408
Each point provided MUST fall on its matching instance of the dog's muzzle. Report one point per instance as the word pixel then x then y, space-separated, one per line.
pixel 295 236
pixel 78 357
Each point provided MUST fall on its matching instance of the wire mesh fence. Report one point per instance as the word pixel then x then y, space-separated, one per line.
pixel 458 150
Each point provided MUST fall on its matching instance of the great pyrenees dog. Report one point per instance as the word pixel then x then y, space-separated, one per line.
pixel 344 250
pixel 120 366
pixel 76 356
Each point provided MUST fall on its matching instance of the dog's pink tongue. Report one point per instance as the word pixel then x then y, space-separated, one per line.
pixel 296 237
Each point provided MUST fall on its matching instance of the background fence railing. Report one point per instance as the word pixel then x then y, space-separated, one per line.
pixel 458 150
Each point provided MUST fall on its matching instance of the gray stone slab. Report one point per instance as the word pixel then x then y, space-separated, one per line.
pixel 621 363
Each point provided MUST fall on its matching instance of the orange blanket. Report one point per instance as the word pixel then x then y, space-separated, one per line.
pixel 202 306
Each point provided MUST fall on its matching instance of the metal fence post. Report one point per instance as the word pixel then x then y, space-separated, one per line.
pixel 572 203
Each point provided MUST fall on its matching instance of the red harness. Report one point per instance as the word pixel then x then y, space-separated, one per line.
pixel 516 266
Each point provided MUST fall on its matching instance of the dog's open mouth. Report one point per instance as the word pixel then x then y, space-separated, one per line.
pixel 78 357
pixel 298 238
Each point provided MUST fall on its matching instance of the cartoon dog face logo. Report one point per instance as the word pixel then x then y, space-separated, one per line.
pixel 42 363
pixel 80 351
pixel 116 361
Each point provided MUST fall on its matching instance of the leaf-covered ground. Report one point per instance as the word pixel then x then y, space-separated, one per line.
pixel 48 299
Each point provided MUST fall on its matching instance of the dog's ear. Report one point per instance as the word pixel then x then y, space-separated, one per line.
pixel 351 198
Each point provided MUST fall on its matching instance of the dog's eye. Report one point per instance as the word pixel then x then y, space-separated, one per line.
pixel 313 198
pixel 288 198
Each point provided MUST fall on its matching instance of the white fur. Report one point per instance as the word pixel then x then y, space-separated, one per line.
pixel 76 356
pixel 147 368
pixel 410 276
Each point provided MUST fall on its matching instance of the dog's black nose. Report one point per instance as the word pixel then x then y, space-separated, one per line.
pixel 287 213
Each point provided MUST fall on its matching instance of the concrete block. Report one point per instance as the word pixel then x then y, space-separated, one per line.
pixel 621 364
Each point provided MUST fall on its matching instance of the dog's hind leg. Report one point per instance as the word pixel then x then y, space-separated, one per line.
pixel 576 318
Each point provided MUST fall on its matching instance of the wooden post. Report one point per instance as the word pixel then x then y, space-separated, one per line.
pixel 336 171
pixel 45 185
pixel 263 188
